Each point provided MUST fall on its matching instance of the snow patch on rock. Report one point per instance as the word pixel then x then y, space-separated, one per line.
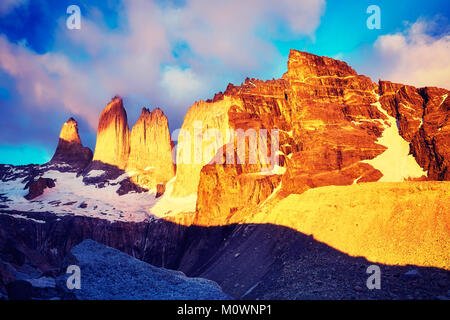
pixel 169 205
pixel 70 191
pixel 395 163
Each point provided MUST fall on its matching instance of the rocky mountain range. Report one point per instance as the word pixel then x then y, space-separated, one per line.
pixel 286 188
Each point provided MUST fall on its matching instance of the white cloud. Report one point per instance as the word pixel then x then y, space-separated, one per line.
pixel 49 81
pixel 182 86
pixel 89 66
pixel 415 56
pixel 228 29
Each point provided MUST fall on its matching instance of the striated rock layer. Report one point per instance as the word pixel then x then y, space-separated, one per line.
pixel 150 150
pixel 334 127
pixel 70 149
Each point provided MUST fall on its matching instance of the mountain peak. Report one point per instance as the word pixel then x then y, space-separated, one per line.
pixel 70 149
pixel 158 112
pixel 156 115
pixel 150 149
pixel 303 66
pixel 69 131
pixel 145 111
pixel 113 145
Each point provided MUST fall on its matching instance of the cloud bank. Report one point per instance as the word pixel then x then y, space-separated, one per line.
pixel 416 56
pixel 158 55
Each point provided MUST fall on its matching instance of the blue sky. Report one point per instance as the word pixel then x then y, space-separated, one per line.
pixel 169 54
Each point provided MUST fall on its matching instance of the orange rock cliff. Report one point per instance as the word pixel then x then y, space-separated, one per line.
pixel 150 149
pixel 334 127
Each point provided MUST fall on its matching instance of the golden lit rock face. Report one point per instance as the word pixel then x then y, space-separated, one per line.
pixel 390 223
pixel 191 154
pixel 225 193
pixel 69 132
pixel 150 150
pixel 339 136
pixel 113 135
pixel 318 108
pixel 335 128
pixel 307 67
pixel 69 149
pixel 145 153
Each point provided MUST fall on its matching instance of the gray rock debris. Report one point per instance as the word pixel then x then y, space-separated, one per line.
pixel 107 273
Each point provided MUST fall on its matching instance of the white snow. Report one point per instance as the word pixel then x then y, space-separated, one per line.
pixel 104 203
pixel 168 205
pixel 70 191
pixel 289 133
pixel 407 107
pixel 395 163
pixel 362 121
pixel 356 180
pixel 274 170
pixel 122 177
pixel 19 216
pixel 95 173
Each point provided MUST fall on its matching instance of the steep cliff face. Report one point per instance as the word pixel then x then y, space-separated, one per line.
pixel 150 150
pixel 70 149
pixel 334 127
pixel 195 147
pixel 113 136
pixel 422 116
pixel 227 195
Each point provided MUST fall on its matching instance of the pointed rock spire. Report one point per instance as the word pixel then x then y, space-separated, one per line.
pixel 70 149
pixel 150 149
pixel 113 135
